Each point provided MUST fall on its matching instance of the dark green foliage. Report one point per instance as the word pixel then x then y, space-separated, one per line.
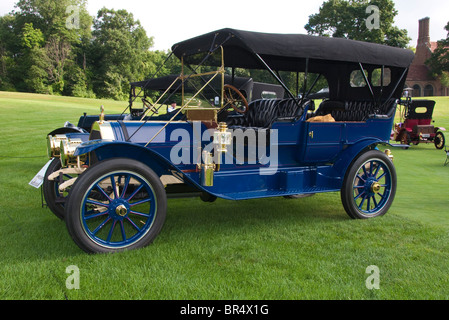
pixel 348 19
pixel 39 46
pixel 56 47
pixel 120 52
pixel 439 61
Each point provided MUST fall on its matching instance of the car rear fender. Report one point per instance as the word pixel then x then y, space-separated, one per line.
pixel 349 154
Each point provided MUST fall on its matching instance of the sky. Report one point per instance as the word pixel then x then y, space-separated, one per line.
pixel 172 21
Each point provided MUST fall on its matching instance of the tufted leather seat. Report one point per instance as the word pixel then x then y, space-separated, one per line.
pixel 356 110
pixel 263 112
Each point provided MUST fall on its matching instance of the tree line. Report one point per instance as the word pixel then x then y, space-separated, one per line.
pixel 56 47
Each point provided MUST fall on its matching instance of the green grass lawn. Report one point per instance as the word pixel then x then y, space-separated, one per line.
pixel 255 249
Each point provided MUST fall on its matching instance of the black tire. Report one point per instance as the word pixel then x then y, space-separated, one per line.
pixel 53 198
pixel 371 178
pixel 102 219
pixel 207 197
pixel 439 140
pixel 404 137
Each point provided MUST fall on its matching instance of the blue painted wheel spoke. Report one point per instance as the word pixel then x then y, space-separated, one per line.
pixel 89 212
pixel 125 186
pixel 114 187
pixel 139 202
pixel 371 168
pixel 359 195
pixel 111 231
pixel 377 171
pixel 103 192
pixel 97 203
pixel 146 215
pixel 358 176
pixel 122 229
pixel 134 193
pixel 101 225
pixel 383 175
pixel 364 170
pixel 375 202
pixel 133 224
pixel 94 215
pixel 361 203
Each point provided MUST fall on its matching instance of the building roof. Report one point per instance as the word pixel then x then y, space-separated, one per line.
pixel 433 45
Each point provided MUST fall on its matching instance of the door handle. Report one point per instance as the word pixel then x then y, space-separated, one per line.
pixel 311 134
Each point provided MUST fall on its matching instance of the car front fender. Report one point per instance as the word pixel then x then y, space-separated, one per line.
pixel 65 130
pixel 106 149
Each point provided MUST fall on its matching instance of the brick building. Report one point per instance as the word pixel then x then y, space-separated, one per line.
pixel 419 77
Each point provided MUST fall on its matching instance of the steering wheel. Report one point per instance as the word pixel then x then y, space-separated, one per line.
pixel 233 97
pixel 148 105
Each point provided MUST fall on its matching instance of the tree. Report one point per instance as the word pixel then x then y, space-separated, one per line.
pixel 42 44
pixel 50 47
pixel 120 52
pixel 439 60
pixel 7 42
pixel 353 20
pixel 53 17
pixel 58 54
pixel 32 59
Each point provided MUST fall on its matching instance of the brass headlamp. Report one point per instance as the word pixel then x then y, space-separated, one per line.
pixel 67 149
pixel 54 143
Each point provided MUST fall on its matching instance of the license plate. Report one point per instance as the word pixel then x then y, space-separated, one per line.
pixel 39 177
pixel 426 135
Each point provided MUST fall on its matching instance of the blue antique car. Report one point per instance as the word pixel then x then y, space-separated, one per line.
pixel 140 107
pixel 120 173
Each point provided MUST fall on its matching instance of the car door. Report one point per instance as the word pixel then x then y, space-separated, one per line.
pixel 323 141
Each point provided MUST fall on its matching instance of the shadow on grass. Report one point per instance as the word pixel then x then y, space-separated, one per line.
pixel 44 236
pixel 192 218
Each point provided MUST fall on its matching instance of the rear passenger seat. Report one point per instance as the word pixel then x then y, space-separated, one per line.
pixel 356 110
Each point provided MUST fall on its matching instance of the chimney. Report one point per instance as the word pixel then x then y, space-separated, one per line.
pixel 423 34
pixel 423 46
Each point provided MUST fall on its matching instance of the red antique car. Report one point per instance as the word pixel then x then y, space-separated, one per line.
pixel 416 124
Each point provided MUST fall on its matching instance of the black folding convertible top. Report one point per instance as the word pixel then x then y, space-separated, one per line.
pixel 285 51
